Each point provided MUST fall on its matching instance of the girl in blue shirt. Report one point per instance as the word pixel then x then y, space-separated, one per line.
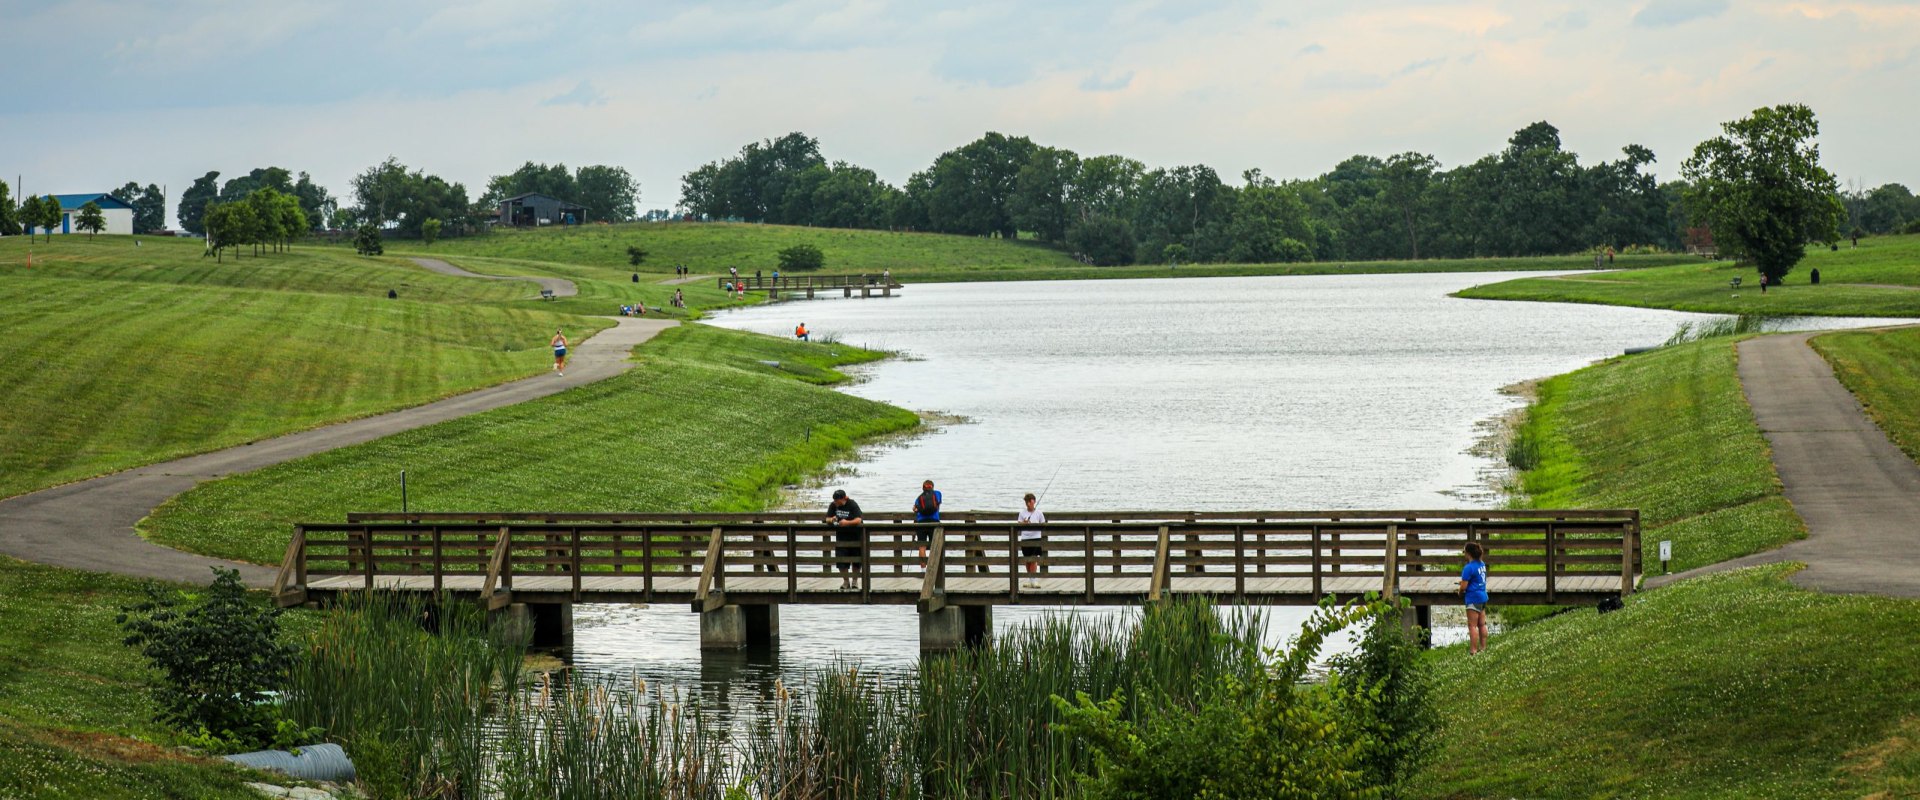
pixel 1473 592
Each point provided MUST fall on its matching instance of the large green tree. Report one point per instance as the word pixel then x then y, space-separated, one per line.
pixel 194 202
pixel 50 214
pixel 390 193
pixel 1761 189
pixel 970 190
pixel 30 214
pixel 609 193
pixel 149 206
pixel 9 215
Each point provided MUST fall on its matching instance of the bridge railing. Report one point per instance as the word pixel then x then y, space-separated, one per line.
pixel 804 282
pixel 973 557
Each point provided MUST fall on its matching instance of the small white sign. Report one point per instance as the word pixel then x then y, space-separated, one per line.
pixel 1666 550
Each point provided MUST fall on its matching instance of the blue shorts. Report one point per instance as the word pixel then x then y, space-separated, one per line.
pixel 559 352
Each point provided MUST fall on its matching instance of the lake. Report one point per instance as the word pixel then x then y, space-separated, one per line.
pixel 1322 392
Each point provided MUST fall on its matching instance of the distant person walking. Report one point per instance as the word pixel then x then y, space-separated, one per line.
pixel 1473 592
pixel 849 534
pixel 1032 540
pixel 1609 255
pixel 1763 283
pixel 801 333
pixel 559 353
pixel 926 508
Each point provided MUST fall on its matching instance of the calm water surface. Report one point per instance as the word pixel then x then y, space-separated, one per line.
pixel 1326 392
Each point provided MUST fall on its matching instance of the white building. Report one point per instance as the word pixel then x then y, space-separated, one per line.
pixel 118 214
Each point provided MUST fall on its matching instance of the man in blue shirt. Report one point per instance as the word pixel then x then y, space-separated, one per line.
pixel 1473 592
pixel 926 508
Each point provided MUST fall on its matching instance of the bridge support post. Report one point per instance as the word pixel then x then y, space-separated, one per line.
pixel 545 626
pixel 732 627
pixel 955 627
pixel 1418 621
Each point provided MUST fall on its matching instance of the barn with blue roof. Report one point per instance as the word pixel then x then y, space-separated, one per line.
pixel 118 213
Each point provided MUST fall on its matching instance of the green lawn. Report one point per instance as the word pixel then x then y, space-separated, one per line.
pixel 1729 686
pixel 700 423
pixel 116 357
pixel 710 248
pixel 75 719
pixel 1879 279
pixel 1670 433
pixel 603 290
pixel 1882 369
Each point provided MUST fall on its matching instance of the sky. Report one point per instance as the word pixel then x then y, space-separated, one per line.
pixel 100 92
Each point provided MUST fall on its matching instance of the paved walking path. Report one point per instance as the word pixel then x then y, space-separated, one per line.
pixel 1859 494
pixel 687 280
pixel 561 287
pixel 89 525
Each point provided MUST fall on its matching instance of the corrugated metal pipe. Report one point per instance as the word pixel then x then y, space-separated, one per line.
pixel 320 762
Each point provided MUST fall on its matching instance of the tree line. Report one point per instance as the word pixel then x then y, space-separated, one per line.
pixel 1532 197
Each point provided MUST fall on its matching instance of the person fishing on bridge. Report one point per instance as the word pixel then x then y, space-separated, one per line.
pixel 1032 540
pixel 848 532
pixel 1473 593
pixel 926 508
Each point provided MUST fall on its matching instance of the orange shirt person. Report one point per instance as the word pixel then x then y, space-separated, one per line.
pixel 801 332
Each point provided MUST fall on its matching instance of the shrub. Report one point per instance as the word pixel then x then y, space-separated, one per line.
pixel 429 230
pixel 218 654
pixel 1912 227
pixel 635 255
pixel 1291 251
pixel 1399 715
pixel 802 258
pixel 366 240
pixel 1105 241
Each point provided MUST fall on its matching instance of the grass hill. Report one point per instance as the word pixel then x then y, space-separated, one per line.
pixel 710 248
pixel 1880 278
pixel 117 356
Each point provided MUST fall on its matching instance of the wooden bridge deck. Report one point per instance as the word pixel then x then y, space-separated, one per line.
pixel 1090 558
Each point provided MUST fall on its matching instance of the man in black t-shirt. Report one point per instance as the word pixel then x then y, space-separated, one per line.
pixel 849 530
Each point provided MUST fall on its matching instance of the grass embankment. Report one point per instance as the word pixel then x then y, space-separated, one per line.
pixel 1882 369
pixel 701 423
pixel 710 248
pixel 75 718
pixel 1880 278
pixel 1738 685
pixel 116 357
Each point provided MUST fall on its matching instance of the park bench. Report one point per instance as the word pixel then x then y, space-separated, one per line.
pixel 546 294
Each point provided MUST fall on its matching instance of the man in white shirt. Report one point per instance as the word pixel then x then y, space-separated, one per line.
pixel 1032 540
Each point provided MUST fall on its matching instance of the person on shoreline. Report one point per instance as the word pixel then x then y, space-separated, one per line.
pixel 926 508
pixel 1032 540
pixel 559 353
pixel 1473 593
pixel 849 534
pixel 801 333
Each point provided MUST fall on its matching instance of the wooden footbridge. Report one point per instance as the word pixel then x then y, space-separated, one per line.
pixel 846 285
pixel 737 569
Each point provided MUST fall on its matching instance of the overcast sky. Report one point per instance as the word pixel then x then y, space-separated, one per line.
pixel 99 92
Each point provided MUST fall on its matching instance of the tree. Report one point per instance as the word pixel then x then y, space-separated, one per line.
pixel 1105 241
pixel 1887 208
pixel 801 258
pixel 1039 202
pixel 149 206
pixel 218 657
pixel 193 202
pixel 11 215
pixel 27 215
pixel 91 220
pixel 609 193
pixel 231 225
pixel 1407 177
pixel 315 202
pixel 366 240
pixel 1265 218
pixel 429 230
pixel 389 193
pixel 1762 191
pixel 50 213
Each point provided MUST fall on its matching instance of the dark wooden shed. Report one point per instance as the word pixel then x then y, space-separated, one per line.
pixel 528 210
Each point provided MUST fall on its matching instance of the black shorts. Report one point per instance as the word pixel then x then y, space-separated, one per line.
pixel 1032 549
pixel 849 544
pixel 924 535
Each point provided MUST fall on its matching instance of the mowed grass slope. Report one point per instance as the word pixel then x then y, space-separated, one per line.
pixel 1670 433
pixel 710 248
pixel 1882 369
pixel 100 371
pixel 1880 278
pixel 1729 686
pixel 1737 685
pixel 602 290
pixel 679 431
pixel 75 717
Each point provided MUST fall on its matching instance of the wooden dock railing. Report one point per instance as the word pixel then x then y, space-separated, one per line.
pixel 974 558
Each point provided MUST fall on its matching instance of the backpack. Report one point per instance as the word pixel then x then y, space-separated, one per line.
pixel 928 503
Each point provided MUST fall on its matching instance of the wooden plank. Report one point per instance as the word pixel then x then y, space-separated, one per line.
pixel 497 566
pixel 1159 585
pixel 296 555
pixel 1317 570
pixel 1390 568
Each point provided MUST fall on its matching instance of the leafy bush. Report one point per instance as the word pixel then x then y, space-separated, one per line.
pixel 1105 241
pixel 802 258
pixel 1292 251
pixel 635 255
pixel 429 230
pixel 1399 717
pixel 1268 734
pixel 366 240
pixel 219 656
pixel 1912 227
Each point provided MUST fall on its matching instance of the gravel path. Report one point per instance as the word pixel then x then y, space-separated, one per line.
pixel 89 525
pixel 561 287
pixel 1859 494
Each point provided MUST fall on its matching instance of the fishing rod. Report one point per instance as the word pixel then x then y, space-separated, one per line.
pixel 1043 492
